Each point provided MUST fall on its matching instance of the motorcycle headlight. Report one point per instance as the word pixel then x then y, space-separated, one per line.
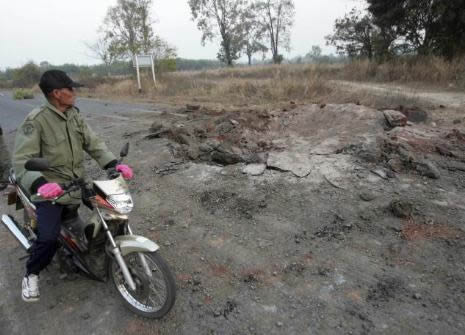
pixel 122 203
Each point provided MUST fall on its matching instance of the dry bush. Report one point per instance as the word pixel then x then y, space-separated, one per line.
pixel 425 70
pixel 22 93
pixel 124 88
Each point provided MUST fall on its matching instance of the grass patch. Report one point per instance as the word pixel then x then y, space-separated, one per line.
pixel 22 93
pixel 261 85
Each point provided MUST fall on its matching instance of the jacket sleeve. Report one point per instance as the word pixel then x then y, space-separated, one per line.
pixel 95 146
pixel 27 146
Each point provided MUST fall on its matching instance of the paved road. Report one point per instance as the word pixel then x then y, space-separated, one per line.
pixel 13 112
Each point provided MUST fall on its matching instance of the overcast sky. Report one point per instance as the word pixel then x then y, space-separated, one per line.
pixel 56 30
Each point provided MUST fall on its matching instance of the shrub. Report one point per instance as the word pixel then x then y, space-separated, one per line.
pixel 21 94
pixel 26 76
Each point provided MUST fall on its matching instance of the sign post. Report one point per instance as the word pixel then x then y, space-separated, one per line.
pixel 153 70
pixel 140 61
pixel 138 74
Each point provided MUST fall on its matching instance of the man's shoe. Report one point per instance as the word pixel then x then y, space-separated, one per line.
pixel 31 288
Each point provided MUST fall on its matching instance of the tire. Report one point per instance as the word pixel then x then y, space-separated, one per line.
pixel 160 283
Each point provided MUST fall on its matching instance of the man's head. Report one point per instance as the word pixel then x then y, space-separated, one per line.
pixel 58 88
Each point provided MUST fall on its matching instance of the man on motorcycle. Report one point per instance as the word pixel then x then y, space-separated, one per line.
pixel 56 131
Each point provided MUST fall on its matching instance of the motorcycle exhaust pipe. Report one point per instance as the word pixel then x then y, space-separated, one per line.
pixel 11 225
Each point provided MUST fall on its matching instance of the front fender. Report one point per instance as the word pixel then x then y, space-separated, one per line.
pixel 135 243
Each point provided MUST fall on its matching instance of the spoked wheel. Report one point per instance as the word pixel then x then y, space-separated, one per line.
pixel 155 292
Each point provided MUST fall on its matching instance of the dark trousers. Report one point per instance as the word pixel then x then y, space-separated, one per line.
pixel 48 227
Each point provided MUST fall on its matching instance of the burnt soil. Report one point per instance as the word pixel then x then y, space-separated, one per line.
pixel 344 225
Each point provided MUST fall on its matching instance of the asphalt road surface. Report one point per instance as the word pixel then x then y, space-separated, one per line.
pixel 13 112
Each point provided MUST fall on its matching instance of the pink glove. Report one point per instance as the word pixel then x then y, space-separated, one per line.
pixel 50 191
pixel 125 170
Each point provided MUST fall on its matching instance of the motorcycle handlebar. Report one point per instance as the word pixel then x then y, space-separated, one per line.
pixel 76 184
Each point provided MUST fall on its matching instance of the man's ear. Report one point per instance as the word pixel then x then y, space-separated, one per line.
pixel 55 94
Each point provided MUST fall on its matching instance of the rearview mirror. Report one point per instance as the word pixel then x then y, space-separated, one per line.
pixel 124 150
pixel 37 164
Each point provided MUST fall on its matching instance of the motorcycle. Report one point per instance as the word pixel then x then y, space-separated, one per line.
pixel 104 246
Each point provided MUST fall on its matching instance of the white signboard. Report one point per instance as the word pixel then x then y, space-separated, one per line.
pixel 142 61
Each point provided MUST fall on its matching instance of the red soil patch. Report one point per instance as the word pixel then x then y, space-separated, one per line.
pixel 219 270
pixel 414 232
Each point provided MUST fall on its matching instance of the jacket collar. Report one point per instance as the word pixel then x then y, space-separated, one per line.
pixel 64 116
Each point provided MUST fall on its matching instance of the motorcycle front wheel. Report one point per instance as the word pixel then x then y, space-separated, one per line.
pixel 155 294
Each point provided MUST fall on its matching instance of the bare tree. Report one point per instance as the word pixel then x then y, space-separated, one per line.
pixel 221 18
pixel 105 50
pixel 277 16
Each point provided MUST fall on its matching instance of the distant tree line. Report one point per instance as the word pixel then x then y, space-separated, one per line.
pixel 402 27
pixel 316 56
pixel 29 74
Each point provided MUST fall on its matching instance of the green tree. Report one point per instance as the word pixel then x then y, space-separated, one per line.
pixel 405 20
pixel 422 26
pixel 253 34
pixel 354 35
pixel 221 18
pixel 277 18
pixel 127 28
pixel 449 28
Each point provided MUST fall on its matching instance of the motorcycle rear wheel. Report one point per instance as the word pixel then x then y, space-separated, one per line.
pixel 154 295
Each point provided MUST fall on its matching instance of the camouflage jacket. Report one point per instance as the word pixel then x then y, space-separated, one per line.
pixel 61 138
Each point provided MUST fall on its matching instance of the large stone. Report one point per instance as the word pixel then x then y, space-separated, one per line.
pixel 401 208
pixel 395 118
pixel 296 162
pixel 254 169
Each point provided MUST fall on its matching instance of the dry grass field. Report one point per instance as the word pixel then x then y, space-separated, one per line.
pixel 267 86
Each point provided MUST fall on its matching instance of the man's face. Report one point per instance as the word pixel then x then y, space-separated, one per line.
pixel 65 96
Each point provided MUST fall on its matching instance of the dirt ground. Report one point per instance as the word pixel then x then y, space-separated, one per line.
pixel 307 219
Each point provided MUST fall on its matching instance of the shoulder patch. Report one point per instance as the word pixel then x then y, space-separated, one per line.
pixel 28 128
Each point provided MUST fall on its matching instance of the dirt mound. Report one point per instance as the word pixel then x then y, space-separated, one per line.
pixel 294 138
pixel 219 136
pixel 424 149
pixel 326 141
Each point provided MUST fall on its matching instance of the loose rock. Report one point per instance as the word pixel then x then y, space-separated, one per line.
pixel 254 169
pixel 395 118
pixel 367 196
pixel 401 209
